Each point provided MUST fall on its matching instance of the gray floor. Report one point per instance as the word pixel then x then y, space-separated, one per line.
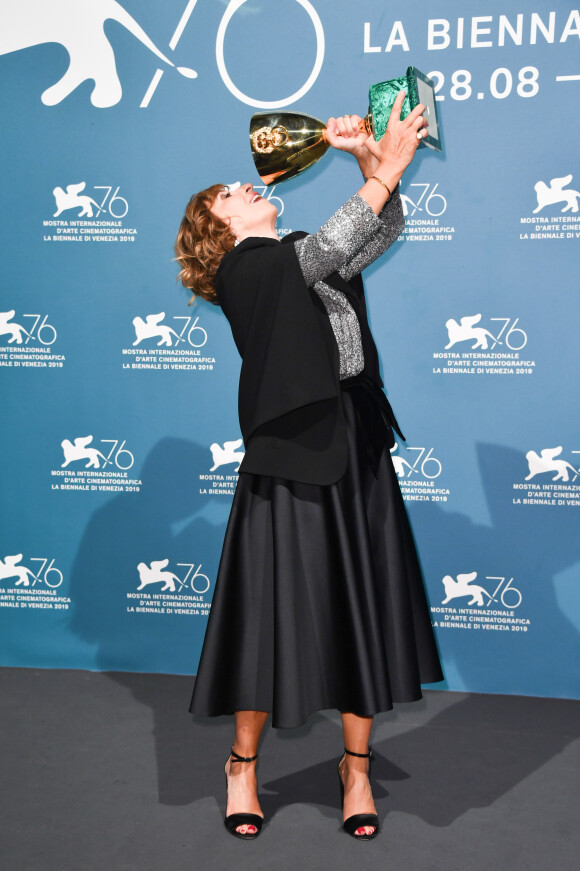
pixel 109 771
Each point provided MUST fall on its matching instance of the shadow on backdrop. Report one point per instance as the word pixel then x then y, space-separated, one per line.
pixel 529 543
pixel 168 519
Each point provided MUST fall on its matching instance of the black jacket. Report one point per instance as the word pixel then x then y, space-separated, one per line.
pixel 289 399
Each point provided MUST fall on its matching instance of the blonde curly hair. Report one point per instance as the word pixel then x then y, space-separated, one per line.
pixel 201 243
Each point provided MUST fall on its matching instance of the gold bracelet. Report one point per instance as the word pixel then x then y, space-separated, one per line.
pixel 380 181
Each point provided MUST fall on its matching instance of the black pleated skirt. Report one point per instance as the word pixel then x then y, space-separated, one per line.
pixel 319 601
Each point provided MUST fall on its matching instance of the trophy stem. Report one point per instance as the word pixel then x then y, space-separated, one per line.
pixel 367 125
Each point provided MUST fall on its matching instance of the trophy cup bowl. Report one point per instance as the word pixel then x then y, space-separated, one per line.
pixel 284 144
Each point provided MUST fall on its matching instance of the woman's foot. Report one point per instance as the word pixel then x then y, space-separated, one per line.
pixel 242 792
pixel 358 796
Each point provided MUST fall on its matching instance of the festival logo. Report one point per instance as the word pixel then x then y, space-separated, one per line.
pixel 154 574
pixel 14 331
pixel 31 586
pixel 496 348
pixel 233 7
pixel 214 483
pixel 490 602
pixel 466 331
pixel 546 462
pixel 556 193
pixel 178 343
pixel 424 207
pixel 183 591
pixel 78 450
pixel 227 455
pixel 28 344
pixel 101 467
pixel 97 216
pixel 10 568
pixel 80 29
pixel 153 328
pixel 551 479
pixel 72 199
pixel 462 587
pixel 558 204
pixel 419 472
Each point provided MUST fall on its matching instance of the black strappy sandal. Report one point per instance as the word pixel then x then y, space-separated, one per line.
pixel 355 822
pixel 232 821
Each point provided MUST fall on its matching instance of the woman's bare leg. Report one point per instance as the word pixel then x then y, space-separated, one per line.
pixel 358 798
pixel 242 781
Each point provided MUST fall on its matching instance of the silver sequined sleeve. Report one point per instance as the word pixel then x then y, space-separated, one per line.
pixel 350 240
pixel 392 225
pixel 337 241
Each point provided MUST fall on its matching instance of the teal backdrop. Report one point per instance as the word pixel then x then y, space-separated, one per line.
pixel 120 439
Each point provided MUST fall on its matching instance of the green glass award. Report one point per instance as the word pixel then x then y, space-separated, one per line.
pixel 286 143
pixel 420 89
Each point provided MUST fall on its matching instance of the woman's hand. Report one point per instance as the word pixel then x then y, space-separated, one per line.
pixel 399 143
pixel 393 153
pixel 344 134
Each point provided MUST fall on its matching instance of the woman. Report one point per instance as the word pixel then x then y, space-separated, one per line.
pixel 319 601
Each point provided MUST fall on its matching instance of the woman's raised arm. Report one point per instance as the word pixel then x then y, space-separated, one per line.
pixel 392 153
pixel 338 240
pixel 355 235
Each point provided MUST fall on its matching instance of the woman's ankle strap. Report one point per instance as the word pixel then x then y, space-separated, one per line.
pixel 239 758
pixel 361 755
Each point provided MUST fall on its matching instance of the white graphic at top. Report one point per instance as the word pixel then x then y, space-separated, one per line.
pixel 466 331
pixel 545 461
pixel 231 10
pixel 14 330
pixel 79 28
pixel 152 328
pixel 10 569
pixel 78 450
pixel 71 199
pixel 226 455
pixel 153 574
pixel 554 193
pixel 463 587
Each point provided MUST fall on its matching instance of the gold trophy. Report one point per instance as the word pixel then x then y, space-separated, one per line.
pixel 286 143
